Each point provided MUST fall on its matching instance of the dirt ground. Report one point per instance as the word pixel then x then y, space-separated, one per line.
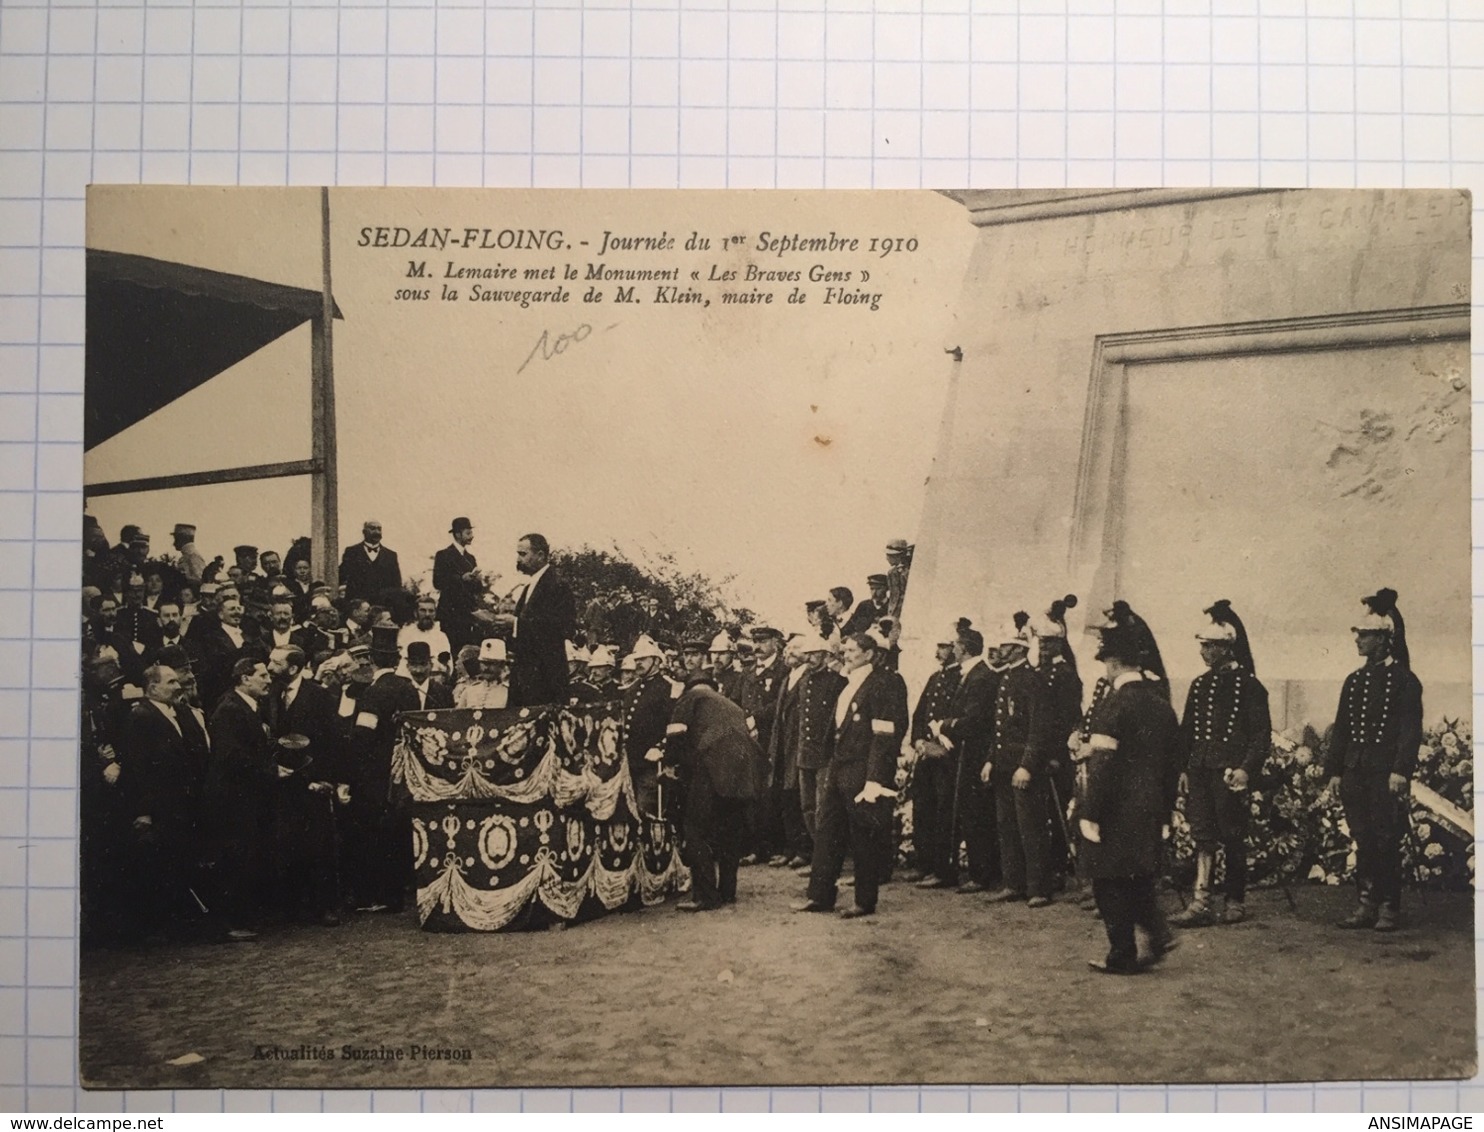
pixel 936 988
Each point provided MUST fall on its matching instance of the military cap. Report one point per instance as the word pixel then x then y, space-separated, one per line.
pixel 645 647
pixel 244 549
pixel 876 581
pixel 722 642
pixel 184 530
pixel 602 657
pixel 132 533
pixel 762 632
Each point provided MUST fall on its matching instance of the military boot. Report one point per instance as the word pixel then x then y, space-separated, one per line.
pixel 1198 913
pixel 1388 917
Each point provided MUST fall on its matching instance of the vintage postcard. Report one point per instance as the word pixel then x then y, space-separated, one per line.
pixel 588 638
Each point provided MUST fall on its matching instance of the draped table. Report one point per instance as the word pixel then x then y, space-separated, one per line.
pixel 527 815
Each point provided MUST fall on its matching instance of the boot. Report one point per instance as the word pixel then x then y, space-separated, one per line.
pixel 1388 917
pixel 1366 913
pixel 1235 912
pixel 1199 914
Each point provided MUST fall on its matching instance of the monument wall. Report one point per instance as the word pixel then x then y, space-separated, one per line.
pixel 1174 396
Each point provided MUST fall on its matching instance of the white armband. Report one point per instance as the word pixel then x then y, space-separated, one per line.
pixel 367 719
pixel 676 729
pixel 882 727
pixel 1103 743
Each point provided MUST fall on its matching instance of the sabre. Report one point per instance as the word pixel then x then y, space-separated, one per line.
pixel 1061 818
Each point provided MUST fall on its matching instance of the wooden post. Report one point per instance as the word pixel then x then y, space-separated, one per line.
pixel 324 505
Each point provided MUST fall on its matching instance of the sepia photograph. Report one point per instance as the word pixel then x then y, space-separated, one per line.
pixel 588 638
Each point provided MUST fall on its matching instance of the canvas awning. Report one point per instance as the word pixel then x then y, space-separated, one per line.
pixel 156 330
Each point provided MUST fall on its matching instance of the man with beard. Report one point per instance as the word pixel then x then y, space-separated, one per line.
pixel 729 675
pixel 490 686
pixel 968 732
pixel 544 618
pixel 171 633
pixel 302 720
pixel 1227 732
pixel 1372 756
pixel 459 585
pixel 369 569
pixel 1127 793
pixel 763 835
pixel 646 711
pixel 813 727
pixel 322 632
pixel 382 862
pixel 159 769
pixel 860 786
pixel 240 783
pixel 271 565
pixel 425 629
pixel 935 775
pixel 709 741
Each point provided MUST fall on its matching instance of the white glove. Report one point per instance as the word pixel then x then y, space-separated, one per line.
pixel 873 791
pixel 111 773
pixel 342 794
pixel 653 755
pixel 1090 830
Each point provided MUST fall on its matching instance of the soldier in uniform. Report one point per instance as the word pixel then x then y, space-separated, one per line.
pixel 1016 775
pixel 860 787
pixel 813 727
pixel 1127 794
pixel 1226 731
pixel 1061 710
pixel 694 651
pixel 646 709
pixel 729 675
pixel 763 837
pixel 935 775
pixel 600 672
pixel 709 740
pixel 580 690
pixel 382 861
pixel 1372 756
pixel 490 688
pixel 968 730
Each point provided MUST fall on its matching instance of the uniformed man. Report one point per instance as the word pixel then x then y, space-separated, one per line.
pixel 646 710
pixel 379 817
pixel 968 730
pixel 813 727
pixel 935 775
pixel 694 651
pixel 490 688
pixel 764 837
pixel 1226 732
pixel 628 673
pixel 1127 794
pixel 1061 703
pixel 729 676
pixel 600 672
pixel 899 561
pixel 709 741
pixel 860 787
pixel 1016 775
pixel 580 690
pixel 1372 756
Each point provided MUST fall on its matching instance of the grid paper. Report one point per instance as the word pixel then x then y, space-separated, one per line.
pixel 740 93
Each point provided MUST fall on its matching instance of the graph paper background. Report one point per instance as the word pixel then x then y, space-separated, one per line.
pixel 787 93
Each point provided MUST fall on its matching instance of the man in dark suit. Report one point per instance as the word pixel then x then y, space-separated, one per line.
pixel 240 783
pixel 216 648
pixel 368 569
pixel 861 782
pixel 380 820
pixel 431 694
pixel 763 838
pixel 157 764
pixel 456 578
pixel 783 760
pixel 814 726
pixel 545 617
pixel 935 775
pixel 301 718
pixel 969 730
pixel 718 758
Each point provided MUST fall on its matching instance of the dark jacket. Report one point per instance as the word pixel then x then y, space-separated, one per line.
pixel 934 702
pixel 242 773
pixel 213 655
pixel 708 736
pixel 457 599
pixel 1378 727
pixel 546 618
pixel 1059 715
pixel 866 743
pixel 313 715
pixel 375 735
pixel 1226 721
pixel 1130 784
pixel 363 578
pixel 646 711
pixel 159 769
pixel 759 697
pixel 970 722
pixel 815 717
pixel 1017 703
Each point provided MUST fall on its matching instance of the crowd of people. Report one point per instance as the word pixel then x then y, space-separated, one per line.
pixel 239 724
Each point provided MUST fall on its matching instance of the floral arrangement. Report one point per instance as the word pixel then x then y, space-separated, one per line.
pixel 1298 830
